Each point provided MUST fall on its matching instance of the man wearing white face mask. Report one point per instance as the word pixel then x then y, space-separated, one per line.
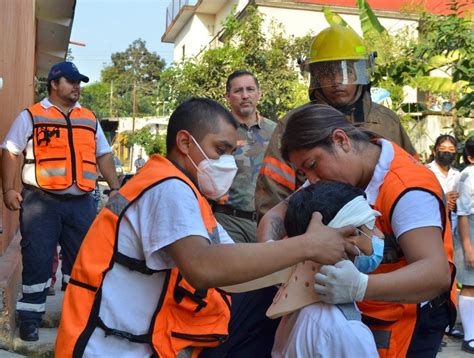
pixel 143 283
pixel 236 210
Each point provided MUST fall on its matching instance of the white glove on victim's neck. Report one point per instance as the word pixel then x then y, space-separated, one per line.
pixel 341 283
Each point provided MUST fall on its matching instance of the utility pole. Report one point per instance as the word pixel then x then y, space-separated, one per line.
pixel 111 97
pixel 134 111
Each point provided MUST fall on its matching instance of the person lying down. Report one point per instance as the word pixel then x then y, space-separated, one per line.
pixel 310 328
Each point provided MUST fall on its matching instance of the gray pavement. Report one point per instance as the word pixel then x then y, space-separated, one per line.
pixel 453 349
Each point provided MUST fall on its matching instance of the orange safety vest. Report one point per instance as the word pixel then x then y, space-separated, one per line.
pixel 393 324
pixel 184 317
pixel 64 148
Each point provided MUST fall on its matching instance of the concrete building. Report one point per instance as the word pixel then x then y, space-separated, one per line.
pixel 34 34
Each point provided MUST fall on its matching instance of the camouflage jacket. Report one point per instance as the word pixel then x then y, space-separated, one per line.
pixel 277 179
pixel 251 145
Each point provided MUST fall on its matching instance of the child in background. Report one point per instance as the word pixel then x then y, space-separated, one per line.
pixel 464 246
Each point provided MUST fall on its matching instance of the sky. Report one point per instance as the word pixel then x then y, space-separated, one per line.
pixel 109 26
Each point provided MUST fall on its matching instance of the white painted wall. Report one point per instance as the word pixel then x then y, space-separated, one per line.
pixel 195 35
pixel 299 22
pixel 226 9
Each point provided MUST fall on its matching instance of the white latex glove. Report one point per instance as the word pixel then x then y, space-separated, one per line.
pixel 341 283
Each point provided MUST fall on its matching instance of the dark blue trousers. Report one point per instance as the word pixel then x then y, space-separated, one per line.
pixel 46 220
pixel 251 332
pixel 430 326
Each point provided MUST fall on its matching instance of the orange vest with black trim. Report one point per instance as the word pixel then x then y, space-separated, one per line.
pixel 184 317
pixel 64 147
pixel 393 324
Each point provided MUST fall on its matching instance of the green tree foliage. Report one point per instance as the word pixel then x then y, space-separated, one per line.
pixel 138 68
pixel 96 97
pixel 153 143
pixel 41 88
pixel 446 43
pixel 270 55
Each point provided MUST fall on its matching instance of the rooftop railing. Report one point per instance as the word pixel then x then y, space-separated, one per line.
pixel 174 7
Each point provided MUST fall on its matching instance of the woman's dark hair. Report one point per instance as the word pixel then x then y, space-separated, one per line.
pixel 468 150
pixel 199 116
pixel 443 138
pixel 326 197
pixel 312 125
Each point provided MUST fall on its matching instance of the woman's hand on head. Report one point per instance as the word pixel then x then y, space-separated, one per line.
pixel 326 245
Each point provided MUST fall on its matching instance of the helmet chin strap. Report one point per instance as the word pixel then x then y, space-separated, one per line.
pixel 317 95
pixel 354 110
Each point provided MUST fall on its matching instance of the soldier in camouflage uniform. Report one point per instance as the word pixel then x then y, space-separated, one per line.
pixel 251 333
pixel 236 211
pixel 334 51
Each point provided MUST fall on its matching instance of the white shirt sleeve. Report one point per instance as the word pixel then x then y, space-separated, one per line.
pixel 17 137
pixel 415 209
pixel 223 235
pixel 102 146
pixel 163 215
pixel 464 202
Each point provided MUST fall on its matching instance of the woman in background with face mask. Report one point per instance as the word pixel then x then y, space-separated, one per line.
pixel 444 156
pixel 407 302
pixel 442 159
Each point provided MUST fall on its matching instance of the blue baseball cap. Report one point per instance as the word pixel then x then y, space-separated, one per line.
pixel 67 70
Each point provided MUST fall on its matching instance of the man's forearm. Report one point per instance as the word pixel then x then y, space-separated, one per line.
pixel 107 168
pixel 10 164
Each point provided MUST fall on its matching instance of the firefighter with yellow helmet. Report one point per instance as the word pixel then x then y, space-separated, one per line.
pixel 340 68
pixel 337 63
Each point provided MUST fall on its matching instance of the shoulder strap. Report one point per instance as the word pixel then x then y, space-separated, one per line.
pixel 134 264
pixel 349 311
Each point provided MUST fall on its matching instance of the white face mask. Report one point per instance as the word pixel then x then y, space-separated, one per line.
pixel 215 176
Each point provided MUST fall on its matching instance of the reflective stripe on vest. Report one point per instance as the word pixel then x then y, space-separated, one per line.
pixel 390 321
pixel 204 314
pixel 64 148
pixel 279 172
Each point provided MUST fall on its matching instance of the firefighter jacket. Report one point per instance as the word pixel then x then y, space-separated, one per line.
pixel 64 149
pixel 184 317
pixel 277 179
pixel 391 323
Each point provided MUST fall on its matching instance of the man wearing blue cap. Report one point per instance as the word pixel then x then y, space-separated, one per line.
pixel 62 144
